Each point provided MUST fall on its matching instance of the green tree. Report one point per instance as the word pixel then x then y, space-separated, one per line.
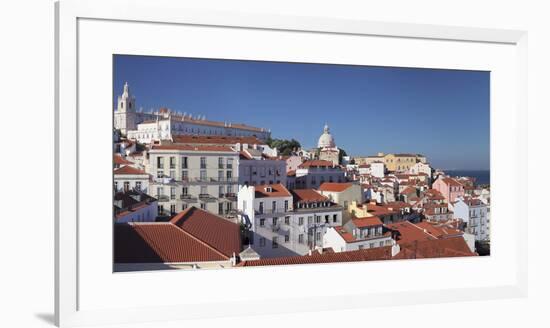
pixel 284 146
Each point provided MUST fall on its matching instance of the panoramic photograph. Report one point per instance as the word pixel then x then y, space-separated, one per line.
pixel 222 163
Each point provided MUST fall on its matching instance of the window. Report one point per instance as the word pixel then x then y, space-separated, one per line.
pixel 203 175
pixel 361 246
pixel 286 205
pixel 229 175
pixel 230 189
pixel 261 208
pixel 160 163
pixel 275 243
pixel 229 163
pixel 309 219
pixel 220 208
pixel 173 209
pixel 184 163
pixel 345 204
pixel 371 245
pixel 335 218
pixel 273 206
pixel 203 162
pixel 204 190
pixel 327 218
pixel 184 191
pixel 301 238
pixel 172 174
pixel 184 176
pixel 262 242
pixel 220 191
pixel 126 186
pixel 172 162
pixel 287 220
pixel 220 162
pixel 274 220
pixel 203 206
pixel 262 222
pixel 116 185
pixel 317 236
pixel 220 175
pixel 317 219
pixel 287 238
pixel 183 207
pixel 381 244
pixel 160 191
pixel 172 192
pixel 160 173
pixel 138 185
pixel 301 221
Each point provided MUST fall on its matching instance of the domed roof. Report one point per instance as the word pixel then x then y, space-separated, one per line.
pixel 326 140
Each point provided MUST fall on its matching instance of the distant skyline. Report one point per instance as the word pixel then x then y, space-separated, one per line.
pixel 443 114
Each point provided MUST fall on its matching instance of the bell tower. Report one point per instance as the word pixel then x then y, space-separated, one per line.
pixel 125 114
pixel 126 102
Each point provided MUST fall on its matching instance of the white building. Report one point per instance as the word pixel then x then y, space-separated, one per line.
pixel 420 167
pixel 286 223
pixel 377 169
pixel 313 173
pixel 164 123
pixel 257 169
pixel 202 176
pixel 474 213
pixel 134 206
pixel 128 178
pixel 358 233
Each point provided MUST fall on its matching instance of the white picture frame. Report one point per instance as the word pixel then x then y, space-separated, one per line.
pixel 69 310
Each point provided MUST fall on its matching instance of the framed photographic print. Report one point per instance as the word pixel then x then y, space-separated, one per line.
pixel 222 161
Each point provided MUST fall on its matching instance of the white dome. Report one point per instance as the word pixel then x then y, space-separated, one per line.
pixel 326 140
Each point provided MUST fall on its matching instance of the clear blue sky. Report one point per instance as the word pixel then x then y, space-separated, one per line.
pixel 443 114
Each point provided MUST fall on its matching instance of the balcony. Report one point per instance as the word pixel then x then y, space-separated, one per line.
pixel 273 211
pixel 230 196
pixel 188 198
pixel 163 198
pixel 207 198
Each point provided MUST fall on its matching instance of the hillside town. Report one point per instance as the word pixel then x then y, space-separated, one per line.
pixel 195 193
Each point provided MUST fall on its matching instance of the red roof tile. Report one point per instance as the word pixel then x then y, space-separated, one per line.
pixel 159 243
pixel 370 221
pixel 128 170
pixel 316 163
pixel 308 195
pixel 277 190
pixel 217 232
pixel 335 186
pixel 119 160
pixel 450 247
pixel 370 254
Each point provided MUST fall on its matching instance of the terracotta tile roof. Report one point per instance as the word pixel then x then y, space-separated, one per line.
pixel 335 186
pixel 379 210
pixel 128 170
pixel 216 140
pixel 452 182
pixel 409 232
pixel 364 166
pixel 119 160
pixel 244 155
pixel 370 221
pixel 308 195
pixel 316 163
pixel 291 173
pixel 193 148
pixel 159 243
pixel 277 190
pixel 450 247
pixel 439 230
pixel 370 254
pixel 409 190
pixel 220 234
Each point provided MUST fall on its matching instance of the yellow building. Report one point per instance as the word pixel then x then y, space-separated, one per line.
pixel 393 162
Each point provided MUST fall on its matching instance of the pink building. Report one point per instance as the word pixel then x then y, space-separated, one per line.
pixel 449 187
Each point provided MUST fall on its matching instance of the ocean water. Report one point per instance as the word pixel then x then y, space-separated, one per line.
pixel 481 176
